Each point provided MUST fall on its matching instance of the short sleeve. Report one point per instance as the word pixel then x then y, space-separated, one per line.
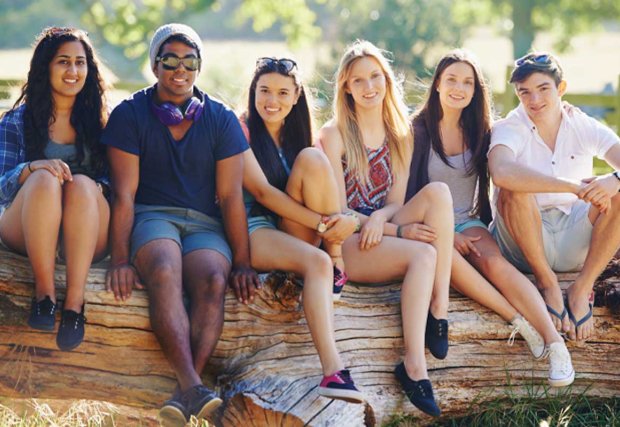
pixel 122 131
pixel 230 137
pixel 508 134
pixel 605 138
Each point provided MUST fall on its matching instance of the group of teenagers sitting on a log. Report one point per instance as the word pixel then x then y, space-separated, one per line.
pixel 169 180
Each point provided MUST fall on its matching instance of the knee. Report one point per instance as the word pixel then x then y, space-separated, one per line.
pixel 423 256
pixel 161 275
pixel 493 265
pixel 317 261
pixel 314 160
pixel 213 287
pixel 43 181
pixel 81 189
pixel 438 195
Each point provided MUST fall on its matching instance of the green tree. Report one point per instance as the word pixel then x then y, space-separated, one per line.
pixel 523 19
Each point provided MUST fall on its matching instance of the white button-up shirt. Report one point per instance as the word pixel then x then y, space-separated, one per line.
pixel 579 139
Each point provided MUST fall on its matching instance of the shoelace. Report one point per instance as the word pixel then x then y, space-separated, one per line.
pixel 513 334
pixel 79 318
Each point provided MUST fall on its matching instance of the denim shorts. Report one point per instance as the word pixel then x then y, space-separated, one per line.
pixel 474 222
pixel 261 221
pixel 566 239
pixel 190 229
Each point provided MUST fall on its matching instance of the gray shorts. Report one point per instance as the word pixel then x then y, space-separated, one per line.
pixel 261 221
pixel 190 229
pixel 566 239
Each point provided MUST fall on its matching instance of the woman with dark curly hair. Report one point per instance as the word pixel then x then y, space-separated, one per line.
pixel 52 175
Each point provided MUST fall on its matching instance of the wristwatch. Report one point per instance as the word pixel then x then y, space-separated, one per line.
pixel 321 227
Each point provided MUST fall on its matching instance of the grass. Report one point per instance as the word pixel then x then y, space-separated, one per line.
pixel 542 406
pixel 79 413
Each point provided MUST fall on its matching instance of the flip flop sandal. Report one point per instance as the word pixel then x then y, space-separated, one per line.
pixel 560 316
pixel 579 322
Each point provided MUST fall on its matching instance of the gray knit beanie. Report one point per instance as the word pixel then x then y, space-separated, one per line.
pixel 164 32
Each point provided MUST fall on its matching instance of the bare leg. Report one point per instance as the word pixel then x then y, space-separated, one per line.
pixel 271 250
pixel 513 285
pixel 313 184
pixel 84 234
pixel 520 214
pixel 603 245
pixel 433 206
pixel 467 281
pixel 415 263
pixel 205 275
pixel 31 225
pixel 159 265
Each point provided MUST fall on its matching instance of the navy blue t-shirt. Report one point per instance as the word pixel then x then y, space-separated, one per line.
pixel 175 173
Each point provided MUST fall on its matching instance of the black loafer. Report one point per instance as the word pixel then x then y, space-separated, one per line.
pixel 71 330
pixel 420 393
pixel 436 337
pixel 42 314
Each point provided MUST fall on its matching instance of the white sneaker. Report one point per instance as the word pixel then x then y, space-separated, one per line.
pixel 561 372
pixel 534 340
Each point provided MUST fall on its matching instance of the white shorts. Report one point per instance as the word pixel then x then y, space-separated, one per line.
pixel 566 239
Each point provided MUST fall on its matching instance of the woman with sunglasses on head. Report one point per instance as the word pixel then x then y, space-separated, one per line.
pixel 292 203
pixel 452 133
pixel 369 143
pixel 52 184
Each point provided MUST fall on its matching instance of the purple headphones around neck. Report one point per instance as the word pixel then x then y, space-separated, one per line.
pixel 170 114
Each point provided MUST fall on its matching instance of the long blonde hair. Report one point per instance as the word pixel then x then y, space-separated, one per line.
pixel 397 129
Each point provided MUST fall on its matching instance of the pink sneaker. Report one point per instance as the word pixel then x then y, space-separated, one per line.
pixel 340 385
pixel 340 279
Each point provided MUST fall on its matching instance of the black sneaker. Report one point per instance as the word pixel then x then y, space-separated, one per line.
pixel 420 393
pixel 201 402
pixel 71 329
pixel 42 314
pixel 173 413
pixel 436 337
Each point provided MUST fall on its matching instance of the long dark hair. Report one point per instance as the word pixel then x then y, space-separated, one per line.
pixel 89 114
pixel 475 123
pixel 296 132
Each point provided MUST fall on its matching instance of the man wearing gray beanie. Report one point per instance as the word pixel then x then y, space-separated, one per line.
pixel 176 158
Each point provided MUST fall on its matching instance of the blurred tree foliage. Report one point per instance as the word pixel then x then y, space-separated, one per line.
pixel 521 20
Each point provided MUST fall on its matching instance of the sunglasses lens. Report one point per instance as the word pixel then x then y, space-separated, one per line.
pixel 172 63
pixel 287 64
pixel 265 62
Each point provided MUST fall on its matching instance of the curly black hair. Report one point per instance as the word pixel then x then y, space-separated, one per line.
pixel 90 112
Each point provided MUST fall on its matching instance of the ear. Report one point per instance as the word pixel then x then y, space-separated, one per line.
pixel 562 88
pixel 156 70
pixel 297 95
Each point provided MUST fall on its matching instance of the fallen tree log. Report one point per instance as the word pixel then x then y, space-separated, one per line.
pixel 265 364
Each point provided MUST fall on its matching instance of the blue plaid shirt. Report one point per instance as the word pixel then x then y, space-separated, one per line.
pixel 12 154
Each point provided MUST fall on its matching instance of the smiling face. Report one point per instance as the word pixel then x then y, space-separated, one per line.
pixel 456 86
pixel 175 86
pixel 366 83
pixel 68 70
pixel 540 96
pixel 275 97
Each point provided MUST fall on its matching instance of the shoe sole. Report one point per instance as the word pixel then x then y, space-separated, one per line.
pixel 350 396
pixel 336 297
pixel 169 416
pixel 563 382
pixel 209 408
pixel 46 328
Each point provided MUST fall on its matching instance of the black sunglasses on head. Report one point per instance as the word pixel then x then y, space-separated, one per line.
pixel 172 62
pixel 282 64
pixel 541 59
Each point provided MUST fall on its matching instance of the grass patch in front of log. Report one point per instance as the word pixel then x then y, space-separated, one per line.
pixel 542 406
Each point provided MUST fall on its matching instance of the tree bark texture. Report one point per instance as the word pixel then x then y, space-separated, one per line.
pixel 265 365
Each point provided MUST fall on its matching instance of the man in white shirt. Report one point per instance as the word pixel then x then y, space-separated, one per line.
pixel 551 215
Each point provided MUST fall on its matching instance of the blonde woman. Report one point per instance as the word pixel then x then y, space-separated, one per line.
pixel 369 144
